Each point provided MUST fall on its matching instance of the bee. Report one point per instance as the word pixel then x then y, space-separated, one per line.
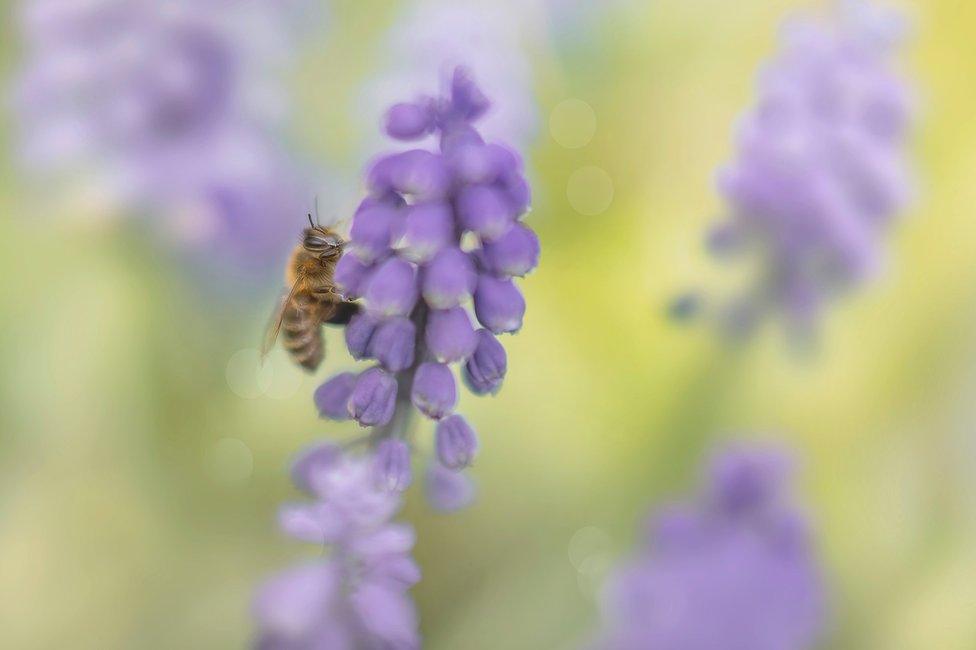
pixel 313 299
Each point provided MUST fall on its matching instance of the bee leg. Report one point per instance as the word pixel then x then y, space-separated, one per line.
pixel 342 313
pixel 327 293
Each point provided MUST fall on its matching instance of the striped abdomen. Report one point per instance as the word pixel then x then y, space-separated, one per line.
pixel 302 325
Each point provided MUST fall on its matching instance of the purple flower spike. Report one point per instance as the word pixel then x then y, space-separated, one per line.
pixel 434 390
pixel 485 210
pixel 355 596
pixel 152 106
pixel 291 604
pixel 373 398
pixel 372 230
pixel 744 578
pixel 513 254
pixel 819 173
pixel 359 333
pixel 332 396
pixel 498 305
pixel 449 279
pixel 485 369
pixel 392 289
pixel 417 173
pixel 393 344
pixel 392 464
pixel 456 442
pixel 408 121
pixel 351 276
pixel 448 490
pixel 427 228
pixel 406 243
pixel 450 335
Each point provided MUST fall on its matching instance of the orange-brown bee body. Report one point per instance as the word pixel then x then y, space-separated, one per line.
pixel 313 300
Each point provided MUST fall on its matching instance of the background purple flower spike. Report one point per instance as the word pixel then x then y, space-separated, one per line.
pixel 172 110
pixel 743 578
pixel 819 172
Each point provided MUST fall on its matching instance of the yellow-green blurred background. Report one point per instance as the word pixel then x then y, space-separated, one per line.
pixel 141 459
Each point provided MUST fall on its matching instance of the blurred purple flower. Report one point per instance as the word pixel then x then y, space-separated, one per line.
pixel 735 571
pixel 820 168
pixel 447 490
pixel 168 108
pixel 419 286
pixel 356 596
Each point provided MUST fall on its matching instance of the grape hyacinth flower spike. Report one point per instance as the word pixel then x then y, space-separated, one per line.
pixel 174 109
pixel 819 172
pixel 356 595
pixel 736 570
pixel 432 252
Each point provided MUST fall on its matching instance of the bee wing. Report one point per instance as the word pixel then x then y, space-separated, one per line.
pixel 274 324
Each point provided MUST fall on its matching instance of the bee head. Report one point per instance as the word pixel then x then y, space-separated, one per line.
pixel 322 242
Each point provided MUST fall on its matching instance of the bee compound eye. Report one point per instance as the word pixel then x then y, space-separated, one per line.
pixel 315 242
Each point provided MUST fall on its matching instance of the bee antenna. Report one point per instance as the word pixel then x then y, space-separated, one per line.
pixel 310 220
pixel 317 220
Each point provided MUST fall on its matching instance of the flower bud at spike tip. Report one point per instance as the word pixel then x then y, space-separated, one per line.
pixel 393 343
pixel 456 442
pixel 467 100
pixel 391 464
pixel 434 390
pixel 498 305
pixel 485 369
pixel 449 279
pixel 373 398
pixel 450 335
pixel 331 397
pixel 392 289
pixel 408 121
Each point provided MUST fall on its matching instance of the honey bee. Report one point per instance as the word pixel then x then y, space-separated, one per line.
pixel 313 299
